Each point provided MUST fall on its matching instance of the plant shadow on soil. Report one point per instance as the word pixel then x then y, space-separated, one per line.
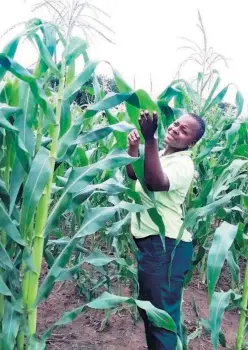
pixel 121 331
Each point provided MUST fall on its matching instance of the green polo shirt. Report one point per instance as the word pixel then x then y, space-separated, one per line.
pixel 179 169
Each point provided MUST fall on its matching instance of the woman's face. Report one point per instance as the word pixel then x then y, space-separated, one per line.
pixel 182 133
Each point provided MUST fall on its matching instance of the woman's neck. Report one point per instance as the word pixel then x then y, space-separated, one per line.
pixel 170 150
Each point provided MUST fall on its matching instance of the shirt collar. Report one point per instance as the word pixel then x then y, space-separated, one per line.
pixel 179 154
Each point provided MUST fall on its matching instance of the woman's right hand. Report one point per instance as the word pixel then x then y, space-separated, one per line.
pixel 134 139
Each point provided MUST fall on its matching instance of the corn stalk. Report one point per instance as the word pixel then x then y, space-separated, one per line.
pixel 90 184
pixel 243 313
pixel 43 206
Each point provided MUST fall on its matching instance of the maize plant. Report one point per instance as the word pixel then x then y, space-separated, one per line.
pixel 60 159
pixel 48 169
pixel 217 202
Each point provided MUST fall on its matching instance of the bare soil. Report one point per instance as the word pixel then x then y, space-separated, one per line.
pixel 121 331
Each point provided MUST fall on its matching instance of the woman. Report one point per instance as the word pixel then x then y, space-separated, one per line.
pixel 169 175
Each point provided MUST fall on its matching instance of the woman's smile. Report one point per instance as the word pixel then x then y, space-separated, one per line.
pixel 169 137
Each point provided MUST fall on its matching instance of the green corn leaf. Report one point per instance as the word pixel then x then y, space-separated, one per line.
pixel 132 207
pixel 15 68
pixel 65 119
pixel 97 259
pixel 168 94
pixel 110 187
pixel 242 132
pixel 192 94
pixel 104 104
pixel 210 96
pixel 134 101
pixel 4 123
pixel 223 239
pixel 28 259
pixel 97 88
pixel 145 101
pixel 233 267
pixel 3 288
pixel 25 132
pixel 241 241
pixel 123 87
pixel 195 213
pixel 45 55
pixel 70 74
pixel 241 152
pixel 41 99
pixel 115 229
pixel 11 91
pixel 36 344
pixel 16 179
pixel 159 318
pixel 239 103
pixel 5 261
pixel 48 29
pixel 101 132
pixel 167 113
pixel 79 157
pixel 153 213
pixel 23 74
pixel 75 48
pixel 34 187
pixel 218 305
pixel 9 50
pixel 210 208
pixel 69 137
pixel 141 100
pixel 227 177
pixel 217 99
pixel 157 219
pixel 28 104
pixel 10 324
pixel 94 219
pixel 120 82
pixel 33 25
pixel 205 190
pixel 8 111
pixel 49 32
pixel 4 195
pixel 80 80
pixel 210 145
pixel 9 227
pixel 80 178
pixel 66 318
pixel 232 133
pixel 110 102
pixel 22 152
pixel 121 138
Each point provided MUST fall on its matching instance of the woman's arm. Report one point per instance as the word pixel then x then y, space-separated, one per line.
pixel 155 178
pixel 133 151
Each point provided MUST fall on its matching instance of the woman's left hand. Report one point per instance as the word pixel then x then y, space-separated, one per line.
pixel 148 124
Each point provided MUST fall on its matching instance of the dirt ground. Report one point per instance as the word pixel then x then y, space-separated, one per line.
pixel 122 332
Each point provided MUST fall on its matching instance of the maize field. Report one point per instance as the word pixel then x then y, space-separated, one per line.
pixel 65 199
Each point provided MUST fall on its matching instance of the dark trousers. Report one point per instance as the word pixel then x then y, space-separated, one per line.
pixel 153 270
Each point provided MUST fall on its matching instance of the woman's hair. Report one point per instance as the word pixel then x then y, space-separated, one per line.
pixel 201 126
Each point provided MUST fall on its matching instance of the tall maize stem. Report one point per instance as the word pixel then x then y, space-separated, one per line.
pixel 42 211
pixel 243 313
pixel 8 145
pixel 39 131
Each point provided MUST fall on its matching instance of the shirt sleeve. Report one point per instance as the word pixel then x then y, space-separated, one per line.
pixel 180 174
